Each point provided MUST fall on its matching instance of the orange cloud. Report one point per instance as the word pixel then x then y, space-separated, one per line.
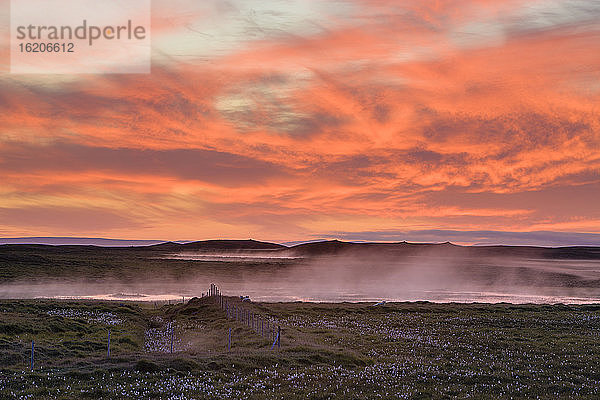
pixel 393 118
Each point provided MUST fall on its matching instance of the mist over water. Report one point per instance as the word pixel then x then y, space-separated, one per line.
pixel 265 276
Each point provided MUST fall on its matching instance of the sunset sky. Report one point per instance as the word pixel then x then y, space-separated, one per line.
pixel 473 121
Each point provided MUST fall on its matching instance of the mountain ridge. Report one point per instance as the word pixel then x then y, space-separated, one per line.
pixel 337 247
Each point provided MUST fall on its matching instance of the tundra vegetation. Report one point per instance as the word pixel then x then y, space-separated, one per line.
pixel 328 351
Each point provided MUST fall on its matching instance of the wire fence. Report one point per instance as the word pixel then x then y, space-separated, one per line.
pixel 234 309
pixel 260 324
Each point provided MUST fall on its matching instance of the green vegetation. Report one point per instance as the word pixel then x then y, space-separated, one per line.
pixel 345 351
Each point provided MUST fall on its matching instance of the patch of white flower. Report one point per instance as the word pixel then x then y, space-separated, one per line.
pixel 89 316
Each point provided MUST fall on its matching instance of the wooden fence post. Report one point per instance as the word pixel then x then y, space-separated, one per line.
pixel 172 329
pixel 108 351
pixel 276 340
pixel 229 341
pixel 278 337
pixel 32 350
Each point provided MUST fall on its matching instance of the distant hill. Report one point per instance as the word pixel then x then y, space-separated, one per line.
pixel 78 241
pixel 311 249
pixel 326 247
pixel 146 244
pixel 336 247
pixel 218 245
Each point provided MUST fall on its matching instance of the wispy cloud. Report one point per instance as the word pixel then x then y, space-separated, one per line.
pixel 286 120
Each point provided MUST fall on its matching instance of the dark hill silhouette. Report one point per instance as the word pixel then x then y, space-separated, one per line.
pixel 336 247
pixel 217 245
pixel 326 248
pixel 323 248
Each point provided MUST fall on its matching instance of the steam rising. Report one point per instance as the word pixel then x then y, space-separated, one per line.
pixel 273 276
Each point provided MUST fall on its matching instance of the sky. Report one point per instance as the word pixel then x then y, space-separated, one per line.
pixel 473 121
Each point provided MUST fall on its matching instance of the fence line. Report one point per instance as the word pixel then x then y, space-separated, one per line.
pixel 254 321
pixel 261 325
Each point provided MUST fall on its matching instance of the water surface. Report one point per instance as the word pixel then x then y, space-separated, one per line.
pixel 337 279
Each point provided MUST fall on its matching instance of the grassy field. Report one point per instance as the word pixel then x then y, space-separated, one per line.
pixel 344 351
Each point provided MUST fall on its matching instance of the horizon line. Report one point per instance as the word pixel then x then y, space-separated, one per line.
pixel 118 242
